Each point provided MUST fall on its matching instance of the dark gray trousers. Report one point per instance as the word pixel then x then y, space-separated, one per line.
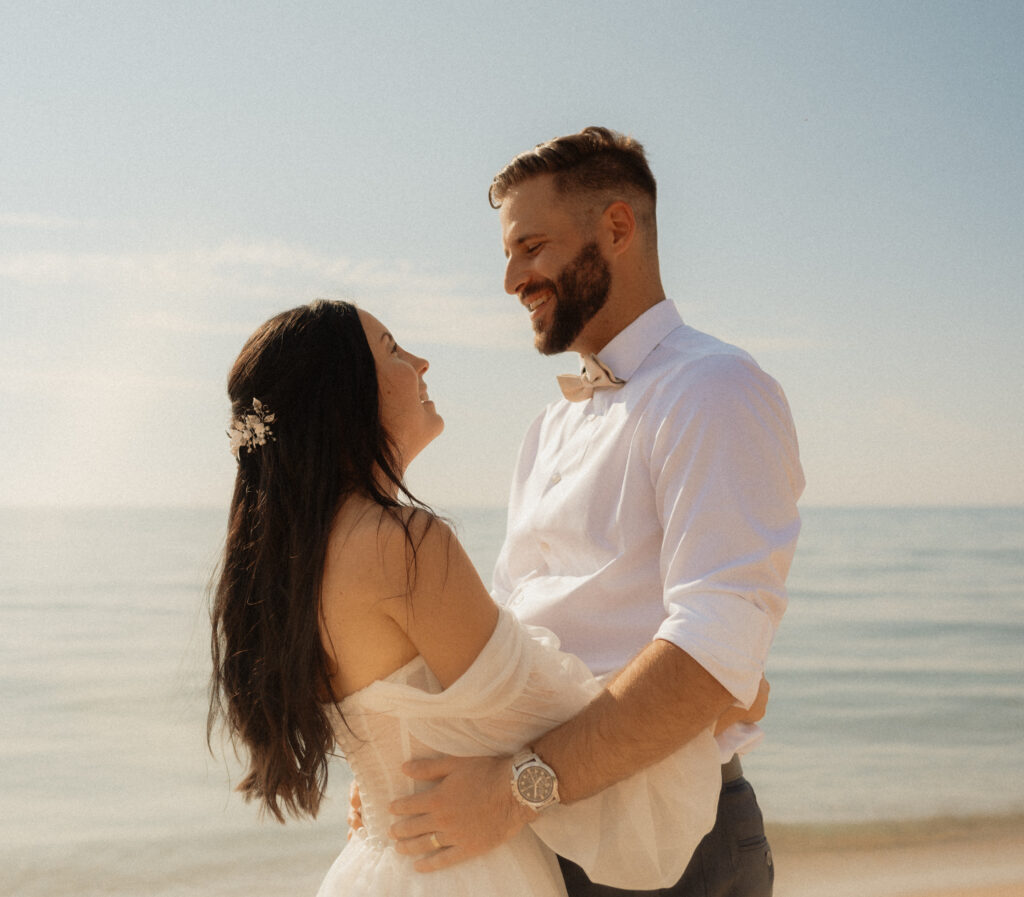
pixel 733 859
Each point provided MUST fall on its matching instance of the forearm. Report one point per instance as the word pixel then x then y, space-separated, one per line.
pixel 657 703
pixel 661 700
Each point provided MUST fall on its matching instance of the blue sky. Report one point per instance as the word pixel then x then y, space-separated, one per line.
pixel 840 192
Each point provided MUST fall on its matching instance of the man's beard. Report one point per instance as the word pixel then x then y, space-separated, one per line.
pixel 580 292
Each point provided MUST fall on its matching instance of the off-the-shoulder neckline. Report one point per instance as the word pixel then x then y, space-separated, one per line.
pixel 418 661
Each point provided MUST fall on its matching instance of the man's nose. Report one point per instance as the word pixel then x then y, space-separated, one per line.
pixel 516 276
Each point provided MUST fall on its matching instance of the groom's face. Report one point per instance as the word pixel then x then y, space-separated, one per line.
pixel 554 265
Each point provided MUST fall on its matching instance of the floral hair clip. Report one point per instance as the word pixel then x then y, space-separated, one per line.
pixel 251 430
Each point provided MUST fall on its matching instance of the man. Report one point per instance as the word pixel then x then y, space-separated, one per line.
pixel 652 522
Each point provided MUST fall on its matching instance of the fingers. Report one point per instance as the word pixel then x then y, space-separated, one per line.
pixel 760 705
pixel 428 770
pixel 469 811
pixel 412 805
pixel 355 810
pixel 442 859
pixel 423 771
pixel 413 829
pixel 355 821
pixel 421 844
pixel 409 831
pixel 754 714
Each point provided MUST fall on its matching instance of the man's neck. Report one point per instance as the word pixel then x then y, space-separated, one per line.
pixel 603 328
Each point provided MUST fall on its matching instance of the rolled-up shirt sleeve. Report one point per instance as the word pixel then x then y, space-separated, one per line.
pixel 726 473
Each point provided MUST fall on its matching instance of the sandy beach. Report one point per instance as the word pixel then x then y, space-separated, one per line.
pixel 954 859
pixel 961 858
pixel 984 858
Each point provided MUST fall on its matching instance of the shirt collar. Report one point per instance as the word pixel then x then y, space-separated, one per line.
pixel 631 345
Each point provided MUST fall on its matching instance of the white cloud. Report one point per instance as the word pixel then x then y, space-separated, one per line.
pixel 36 222
pixel 87 379
pixel 169 322
pixel 757 345
pixel 229 289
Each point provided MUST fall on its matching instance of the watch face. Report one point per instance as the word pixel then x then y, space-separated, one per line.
pixel 535 784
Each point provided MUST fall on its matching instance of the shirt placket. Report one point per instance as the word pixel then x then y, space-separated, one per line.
pixel 573 452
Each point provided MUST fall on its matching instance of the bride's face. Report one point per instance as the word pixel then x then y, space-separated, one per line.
pixel 406 411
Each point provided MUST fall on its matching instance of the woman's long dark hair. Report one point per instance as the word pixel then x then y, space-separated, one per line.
pixel 312 368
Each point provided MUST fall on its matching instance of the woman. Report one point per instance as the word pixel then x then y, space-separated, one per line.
pixel 348 612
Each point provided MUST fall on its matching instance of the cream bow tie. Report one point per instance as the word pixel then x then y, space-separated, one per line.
pixel 580 387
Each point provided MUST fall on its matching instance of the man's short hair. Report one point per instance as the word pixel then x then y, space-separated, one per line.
pixel 596 160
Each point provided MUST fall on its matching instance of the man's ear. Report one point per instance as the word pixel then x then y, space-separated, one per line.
pixel 618 226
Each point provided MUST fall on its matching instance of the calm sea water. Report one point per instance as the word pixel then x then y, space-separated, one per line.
pixel 898 695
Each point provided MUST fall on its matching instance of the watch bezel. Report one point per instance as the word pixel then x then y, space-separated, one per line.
pixel 524 763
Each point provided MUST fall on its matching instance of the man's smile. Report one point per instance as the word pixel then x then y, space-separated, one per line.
pixel 535 305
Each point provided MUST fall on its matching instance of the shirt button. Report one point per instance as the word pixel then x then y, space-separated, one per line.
pixel 556 478
pixel 545 547
pixel 590 417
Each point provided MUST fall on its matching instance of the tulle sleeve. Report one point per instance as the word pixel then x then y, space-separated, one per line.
pixel 637 834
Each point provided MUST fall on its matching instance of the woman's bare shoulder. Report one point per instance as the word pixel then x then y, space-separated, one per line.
pixel 373 550
pixel 407 566
pixel 363 576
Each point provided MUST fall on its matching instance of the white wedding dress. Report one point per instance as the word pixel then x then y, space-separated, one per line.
pixel 637 834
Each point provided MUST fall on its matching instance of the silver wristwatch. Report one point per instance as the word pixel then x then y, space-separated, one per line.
pixel 534 783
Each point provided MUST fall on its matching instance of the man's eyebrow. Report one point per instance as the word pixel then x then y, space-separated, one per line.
pixel 525 238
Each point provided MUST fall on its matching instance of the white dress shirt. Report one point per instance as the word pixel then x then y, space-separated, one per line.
pixel 664 509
